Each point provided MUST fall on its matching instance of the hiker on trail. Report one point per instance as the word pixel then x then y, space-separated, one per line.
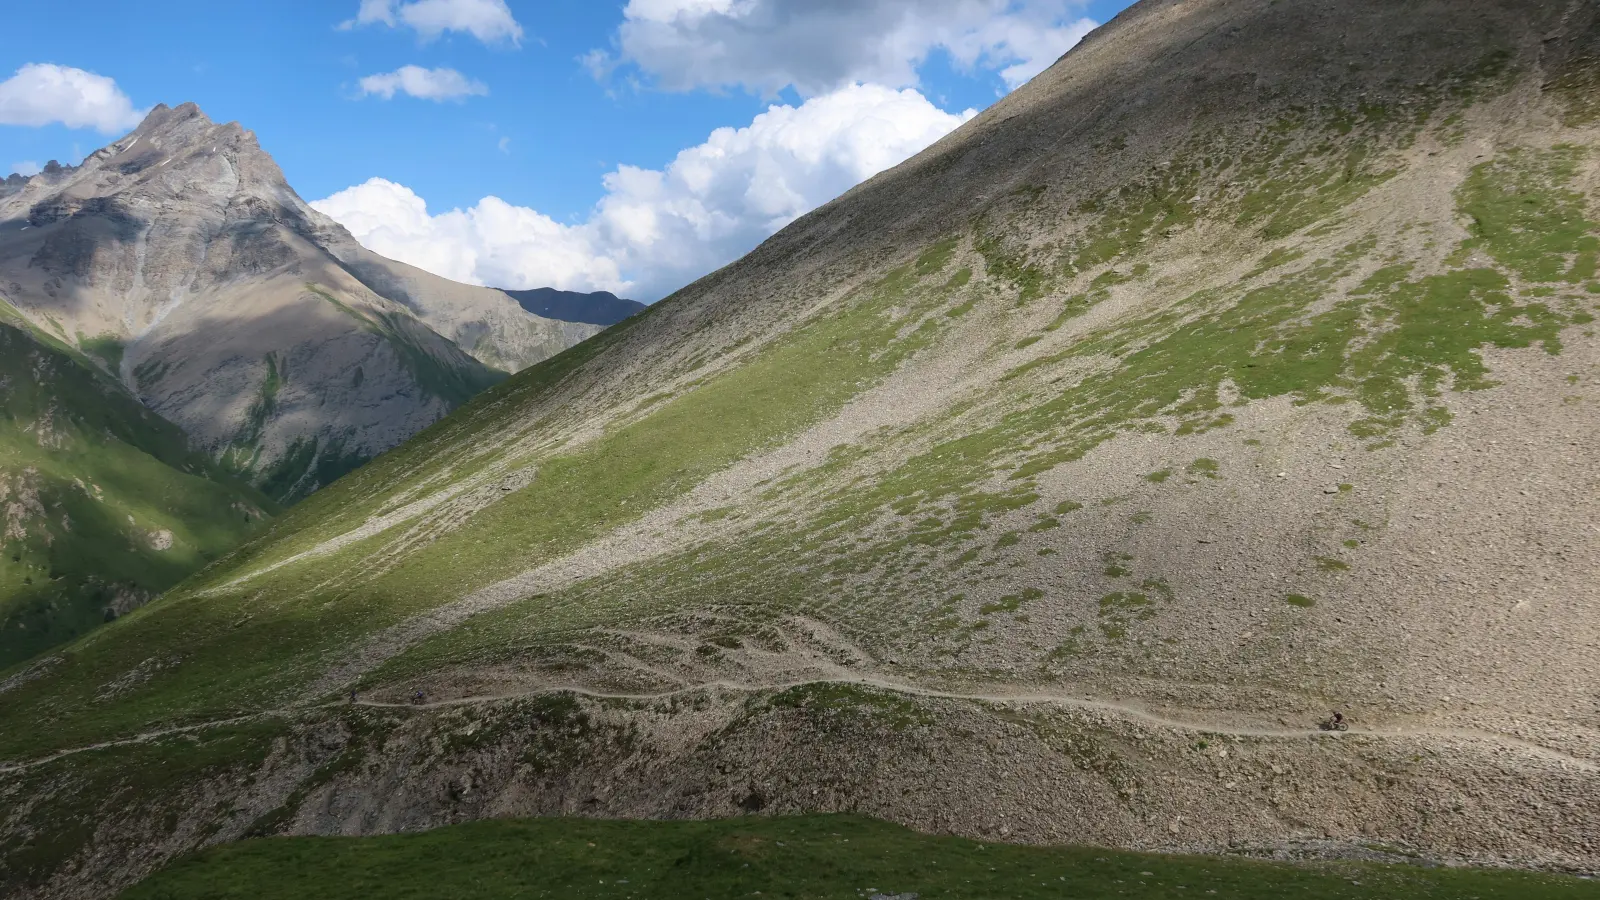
pixel 417 697
pixel 352 696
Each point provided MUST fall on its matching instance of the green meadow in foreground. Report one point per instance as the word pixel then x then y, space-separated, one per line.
pixel 799 857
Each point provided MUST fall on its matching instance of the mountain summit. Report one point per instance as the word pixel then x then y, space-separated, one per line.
pixel 181 257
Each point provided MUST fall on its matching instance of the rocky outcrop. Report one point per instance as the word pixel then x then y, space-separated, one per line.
pixel 12 183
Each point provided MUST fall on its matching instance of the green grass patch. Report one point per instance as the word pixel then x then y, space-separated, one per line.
pixel 245 451
pixel 1003 262
pixel 798 857
pixel 308 464
pixel 1123 600
pixel 933 260
pixel 1300 600
pixel 107 348
pixel 1316 184
pixel 1526 215
pixel 1011 602
pixel 833 705
pixel 1075 306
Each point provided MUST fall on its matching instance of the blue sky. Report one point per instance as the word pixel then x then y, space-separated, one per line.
pixel 563 110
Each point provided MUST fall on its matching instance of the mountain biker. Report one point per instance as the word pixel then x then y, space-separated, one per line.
pixel 1338 719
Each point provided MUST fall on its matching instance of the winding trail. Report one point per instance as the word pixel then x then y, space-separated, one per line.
pixel 1119 710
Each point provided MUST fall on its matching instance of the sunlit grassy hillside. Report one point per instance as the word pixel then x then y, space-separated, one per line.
pixel 105 506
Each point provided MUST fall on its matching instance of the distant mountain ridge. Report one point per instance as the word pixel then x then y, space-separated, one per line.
pixel 597 308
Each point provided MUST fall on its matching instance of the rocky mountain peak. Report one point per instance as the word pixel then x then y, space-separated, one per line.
pixel 162 114
pixel 177 158
pixel 182 247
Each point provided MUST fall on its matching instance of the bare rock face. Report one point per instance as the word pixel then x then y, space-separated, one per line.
pixel 181 259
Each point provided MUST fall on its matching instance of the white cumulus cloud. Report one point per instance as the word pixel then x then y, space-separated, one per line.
pixel 490 21
pixel 815 46
pixel 44 94
pixel 655 230
pixel 27 168
pixel 493 243
pixel 425 84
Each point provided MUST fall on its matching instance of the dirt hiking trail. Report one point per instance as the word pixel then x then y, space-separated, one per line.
pixel 1123 711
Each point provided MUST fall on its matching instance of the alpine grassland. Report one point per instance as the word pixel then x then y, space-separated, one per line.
pixel 805 858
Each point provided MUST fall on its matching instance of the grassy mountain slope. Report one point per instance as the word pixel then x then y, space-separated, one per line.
pixel 104 504
pixel 1052 485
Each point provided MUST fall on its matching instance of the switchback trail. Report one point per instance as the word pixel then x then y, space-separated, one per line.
pixel 1119 710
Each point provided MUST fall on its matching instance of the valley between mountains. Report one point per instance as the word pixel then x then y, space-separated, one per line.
pixel 1050 487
